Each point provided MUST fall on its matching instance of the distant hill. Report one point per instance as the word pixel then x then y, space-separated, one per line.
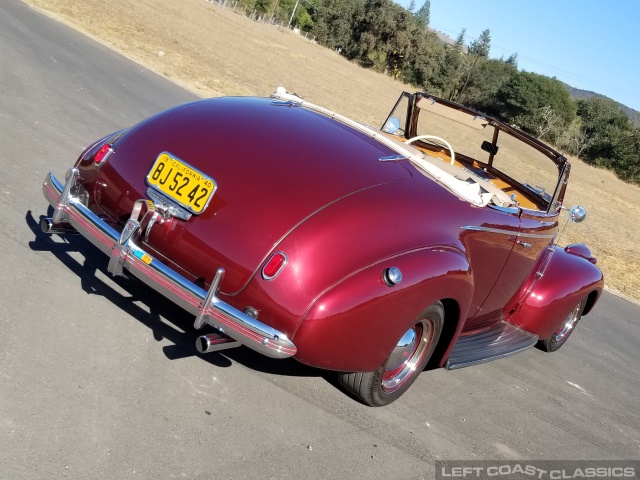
pixel 634 115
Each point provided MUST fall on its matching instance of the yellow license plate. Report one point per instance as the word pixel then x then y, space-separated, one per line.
pixel 182 183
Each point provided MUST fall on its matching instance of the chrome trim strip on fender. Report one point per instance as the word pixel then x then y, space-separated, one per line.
pixel 511 210
pixel 507 232
pixel 207 307
pixel 539 274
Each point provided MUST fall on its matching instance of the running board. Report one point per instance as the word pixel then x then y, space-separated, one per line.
pixel 501 340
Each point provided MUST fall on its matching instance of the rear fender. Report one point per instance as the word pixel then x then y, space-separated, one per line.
pixel 354 324
pixel 553 291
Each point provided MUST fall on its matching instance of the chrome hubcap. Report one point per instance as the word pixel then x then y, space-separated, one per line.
pixel 403 350
pixel 406 355
pixel 569 324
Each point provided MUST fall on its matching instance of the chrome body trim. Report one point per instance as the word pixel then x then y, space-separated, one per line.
pixel 539 274
pixel 110 152
pixel 286 260
pixel 519 242
pixel 203 316
pixel 512 210
pixel 124 253
pixel 168 207
pixel 286 103
pixel 545 263
pixel 501 340
pixel 63 198
pixel 392 158
pixel 478 228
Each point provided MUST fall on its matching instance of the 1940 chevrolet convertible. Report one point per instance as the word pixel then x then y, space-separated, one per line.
pixel 297 232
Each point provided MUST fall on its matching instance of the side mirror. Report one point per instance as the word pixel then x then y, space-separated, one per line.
pixel 577 214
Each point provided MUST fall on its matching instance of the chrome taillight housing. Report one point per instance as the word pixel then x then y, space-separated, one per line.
pixel 274 266
pixel 103 153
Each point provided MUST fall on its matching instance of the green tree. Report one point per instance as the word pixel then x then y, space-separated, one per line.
pixel 480 46
pixel 453 70
pixel 613 140
pixel 632 170
pixel 249 4
pixel 265 7
pixel 335 21
pixel 478 49
pixel 382 35
pixel 512 60
pixel 382 40
pixel 574 139
pixel 485 81
pixel 423 66
pixel 423 15
pixel 525 98
pixel 301 17
pixel 303 20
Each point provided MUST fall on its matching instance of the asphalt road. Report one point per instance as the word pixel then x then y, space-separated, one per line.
pixel 99 378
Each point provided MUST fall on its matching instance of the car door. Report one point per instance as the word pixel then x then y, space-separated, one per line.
pixel 489 241
pixel 535 234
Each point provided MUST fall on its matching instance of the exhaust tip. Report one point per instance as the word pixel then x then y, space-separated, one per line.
pixel 62 228
pixel 202 344
pixel 46 224
pixel 214 343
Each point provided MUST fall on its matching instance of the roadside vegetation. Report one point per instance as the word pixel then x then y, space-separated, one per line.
pixel 215 51
pixel 386 37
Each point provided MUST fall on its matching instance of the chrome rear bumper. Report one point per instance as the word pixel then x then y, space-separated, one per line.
pixel 125 254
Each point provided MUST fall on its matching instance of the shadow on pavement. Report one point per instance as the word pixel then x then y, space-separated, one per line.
pixel 183 336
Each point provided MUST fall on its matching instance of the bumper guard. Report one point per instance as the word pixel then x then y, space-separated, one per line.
pixel 125 254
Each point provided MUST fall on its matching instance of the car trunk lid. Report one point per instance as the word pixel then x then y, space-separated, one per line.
pixel 274 164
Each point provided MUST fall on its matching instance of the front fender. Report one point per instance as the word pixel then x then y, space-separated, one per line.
pixel 553 292
pixel 354 324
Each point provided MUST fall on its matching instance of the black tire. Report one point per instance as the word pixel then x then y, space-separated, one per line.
pixel 560 337
pixel 398 372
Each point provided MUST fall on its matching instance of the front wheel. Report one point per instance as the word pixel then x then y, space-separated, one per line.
pixel 559 338
pixel 403 365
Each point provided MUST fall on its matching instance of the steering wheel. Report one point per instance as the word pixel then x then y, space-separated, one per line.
pixel 438 139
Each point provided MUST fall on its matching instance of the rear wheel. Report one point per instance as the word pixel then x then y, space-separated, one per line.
pixel 555 341
pixel 402 366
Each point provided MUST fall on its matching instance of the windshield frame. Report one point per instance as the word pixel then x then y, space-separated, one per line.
pixel 553 200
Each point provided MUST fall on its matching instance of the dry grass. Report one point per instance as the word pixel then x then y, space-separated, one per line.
pixel 214 52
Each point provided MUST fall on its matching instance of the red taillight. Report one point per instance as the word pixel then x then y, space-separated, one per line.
pixel 274 265
pixel 103 153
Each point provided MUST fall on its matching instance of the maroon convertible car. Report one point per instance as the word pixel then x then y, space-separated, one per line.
pixel 294 231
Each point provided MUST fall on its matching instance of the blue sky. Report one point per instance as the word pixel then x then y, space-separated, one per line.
pixel 589 44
